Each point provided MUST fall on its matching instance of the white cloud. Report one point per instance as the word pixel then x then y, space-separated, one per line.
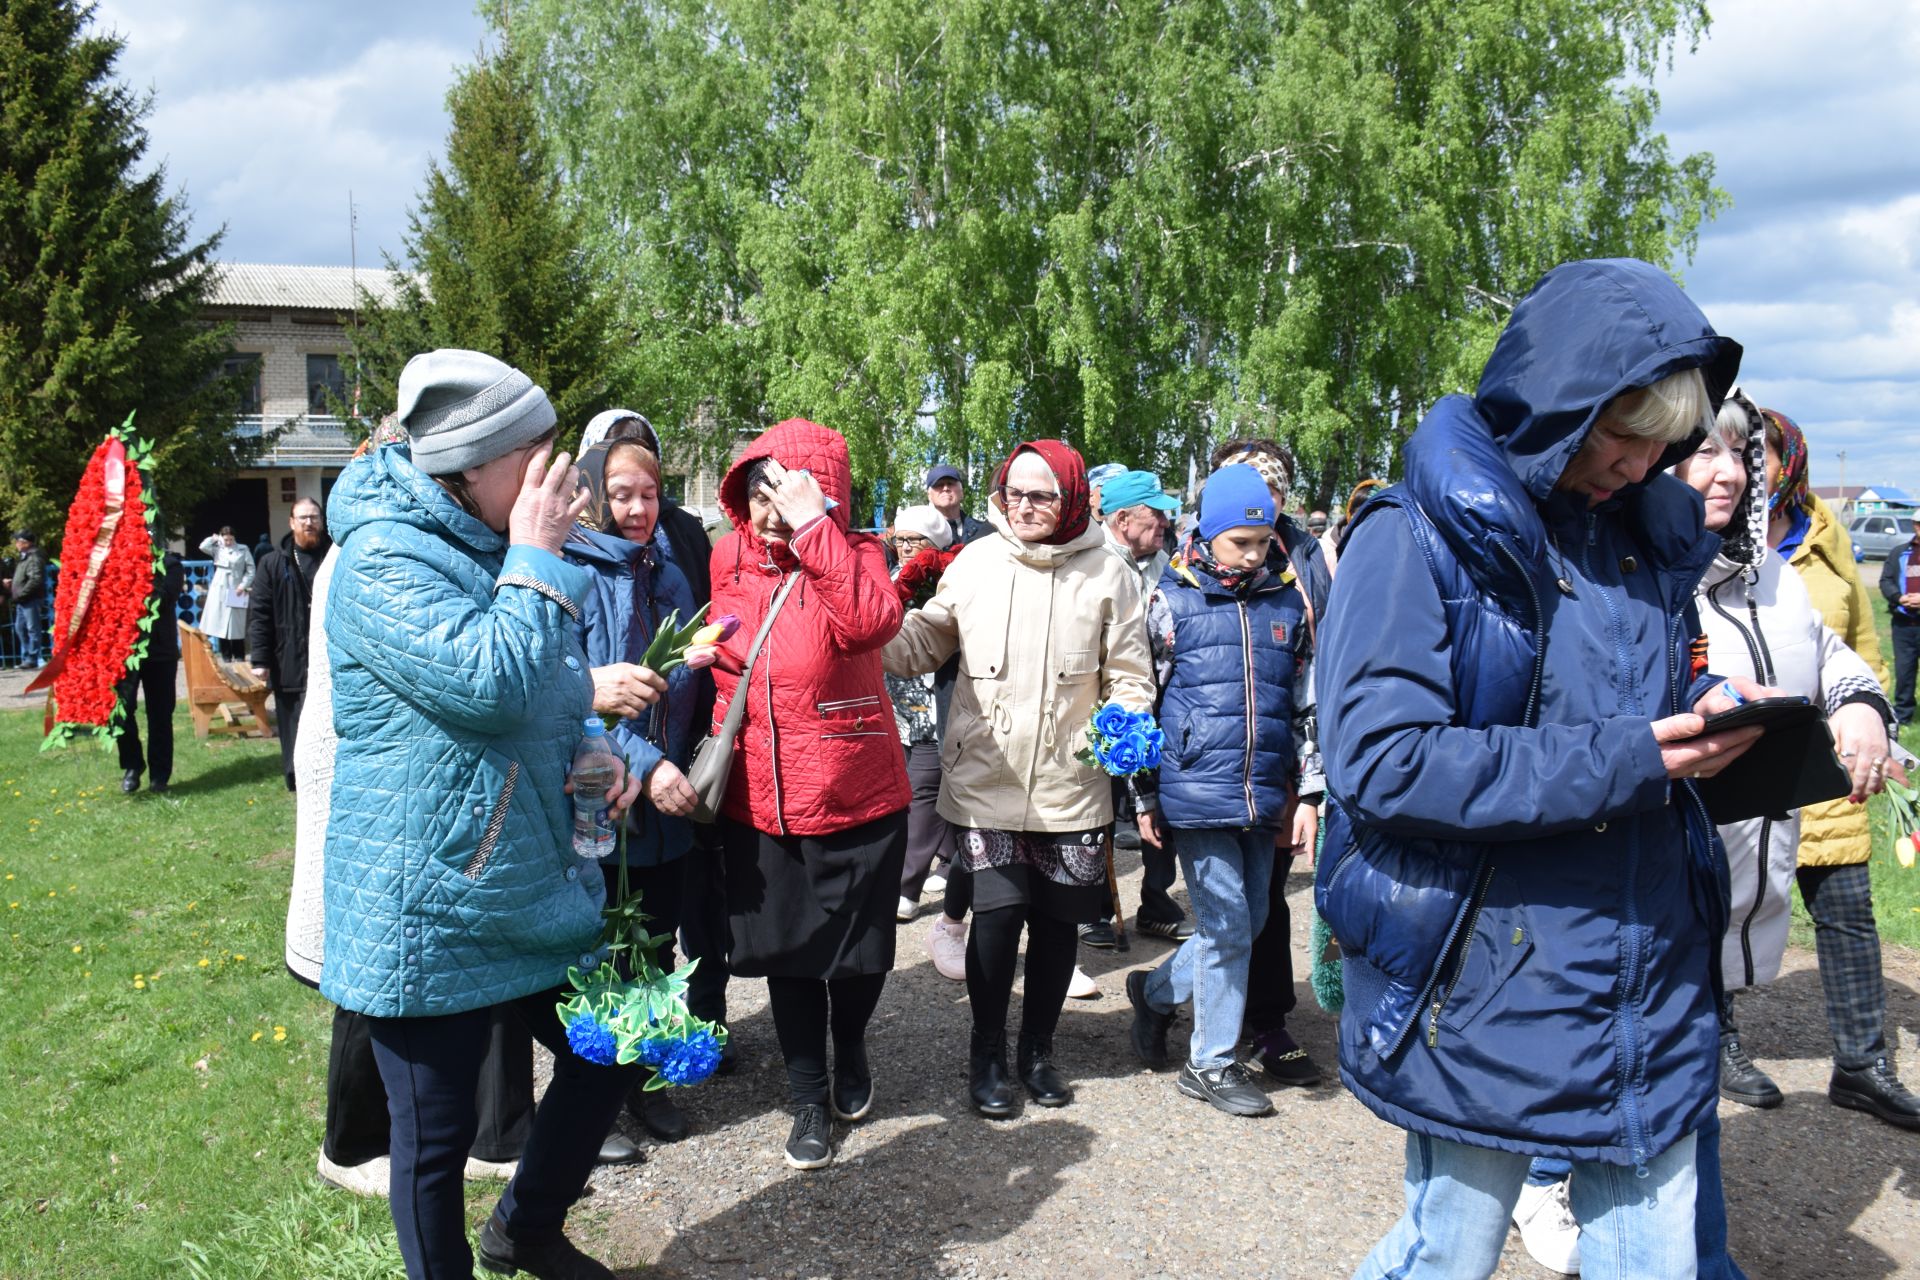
pixel 267 115
pixel 1812 113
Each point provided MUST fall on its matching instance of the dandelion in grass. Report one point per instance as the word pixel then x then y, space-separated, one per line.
pixel 255 1039
pixel 279 1034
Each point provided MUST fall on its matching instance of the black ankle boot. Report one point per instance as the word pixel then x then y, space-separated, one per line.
pixel 852 1094
pixel 1877 1091
pixel 1740 1080
pixel 987 1085
pixel 1045 1085
pixel 555 1258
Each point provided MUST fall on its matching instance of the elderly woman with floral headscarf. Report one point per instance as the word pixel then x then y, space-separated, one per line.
pixel 1048 627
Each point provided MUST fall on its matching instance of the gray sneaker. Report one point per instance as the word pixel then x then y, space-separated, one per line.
pixel 1229 1088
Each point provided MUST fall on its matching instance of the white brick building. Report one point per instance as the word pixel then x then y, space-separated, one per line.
pixel 290 324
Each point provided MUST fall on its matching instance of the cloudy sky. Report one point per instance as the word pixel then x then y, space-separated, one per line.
pixel 268 113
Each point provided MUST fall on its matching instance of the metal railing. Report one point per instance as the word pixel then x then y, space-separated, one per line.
pixel 191 608
pixel 309 439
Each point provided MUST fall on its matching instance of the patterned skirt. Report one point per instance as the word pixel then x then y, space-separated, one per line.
pixel 1062 874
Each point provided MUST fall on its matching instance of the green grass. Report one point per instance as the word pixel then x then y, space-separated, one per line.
pixel 162 1079
pixel 163 1075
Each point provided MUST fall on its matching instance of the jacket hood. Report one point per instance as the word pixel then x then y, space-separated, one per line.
pixel 384 484
pixel 1743 543
pixel 601 423
pixel 606 550
pixel 1826 537
pixel 796 443
pixel 1045 555
pixel 1588 332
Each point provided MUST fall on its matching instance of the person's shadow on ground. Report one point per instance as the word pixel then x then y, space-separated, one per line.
pixel 949 1182
pixel 1800 1177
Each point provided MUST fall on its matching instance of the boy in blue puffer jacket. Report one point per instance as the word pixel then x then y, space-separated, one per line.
pixel 1229 649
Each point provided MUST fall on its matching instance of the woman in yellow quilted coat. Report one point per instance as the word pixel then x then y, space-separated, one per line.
pixel 1834 840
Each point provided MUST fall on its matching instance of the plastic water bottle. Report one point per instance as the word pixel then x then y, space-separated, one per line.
pixel 593 769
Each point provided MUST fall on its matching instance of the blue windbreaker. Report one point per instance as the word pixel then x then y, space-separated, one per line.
pixel 1528 908
pixel 633 592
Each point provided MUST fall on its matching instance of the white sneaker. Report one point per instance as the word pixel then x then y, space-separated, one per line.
pixel 1548 1227
pixel 947 944
pixel 1082 987
pixel 936 884
pixel 500 1170
pixel 369 1179
pixel 907 910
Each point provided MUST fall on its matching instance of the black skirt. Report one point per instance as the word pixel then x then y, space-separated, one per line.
pixel 813 906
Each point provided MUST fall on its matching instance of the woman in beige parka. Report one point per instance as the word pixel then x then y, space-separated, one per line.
pixel 1049 627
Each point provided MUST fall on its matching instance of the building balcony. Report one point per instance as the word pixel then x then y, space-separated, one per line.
pixel 310 440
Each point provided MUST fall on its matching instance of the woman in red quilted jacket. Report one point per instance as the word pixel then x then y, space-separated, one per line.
pixel 814 828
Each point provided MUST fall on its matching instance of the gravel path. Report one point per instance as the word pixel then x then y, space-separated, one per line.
pixel 1134 1180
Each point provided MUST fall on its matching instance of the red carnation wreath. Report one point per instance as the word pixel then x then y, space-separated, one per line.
pixel 103 609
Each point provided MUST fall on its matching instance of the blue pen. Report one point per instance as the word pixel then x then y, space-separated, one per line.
pixel 1739 699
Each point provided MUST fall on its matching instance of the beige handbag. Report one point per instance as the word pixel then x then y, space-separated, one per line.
pixel 713 760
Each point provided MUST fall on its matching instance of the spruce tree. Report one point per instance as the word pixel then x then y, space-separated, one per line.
pixel 102 310
pixel 494 258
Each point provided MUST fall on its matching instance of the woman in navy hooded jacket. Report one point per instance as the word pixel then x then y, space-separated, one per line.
pixel 635 588
pixel 1520 872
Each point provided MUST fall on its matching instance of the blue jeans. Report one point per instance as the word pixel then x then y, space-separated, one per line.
pixel 431 1067
pixel 26 633
pixel 1460 1200
pixel 1227 873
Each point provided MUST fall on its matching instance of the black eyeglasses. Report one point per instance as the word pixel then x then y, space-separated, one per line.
pixel 1039 499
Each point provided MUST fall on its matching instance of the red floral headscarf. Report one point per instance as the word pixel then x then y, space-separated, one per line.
pixel 1790 492
pixel 1070 469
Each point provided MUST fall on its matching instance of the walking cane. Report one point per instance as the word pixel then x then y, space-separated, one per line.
pixel 1120 942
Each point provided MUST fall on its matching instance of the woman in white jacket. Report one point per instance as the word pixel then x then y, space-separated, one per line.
pixel 225 618
pixel 1760 623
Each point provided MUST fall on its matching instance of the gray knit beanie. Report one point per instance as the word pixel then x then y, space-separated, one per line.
pixel 462 409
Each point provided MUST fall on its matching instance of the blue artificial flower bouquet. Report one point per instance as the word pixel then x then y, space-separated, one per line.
pixel 610 1019
pixel 1123 742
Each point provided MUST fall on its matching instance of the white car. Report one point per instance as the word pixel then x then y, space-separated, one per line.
pixel 1875 534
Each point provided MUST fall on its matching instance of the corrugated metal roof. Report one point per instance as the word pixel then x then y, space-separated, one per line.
pixel 253 284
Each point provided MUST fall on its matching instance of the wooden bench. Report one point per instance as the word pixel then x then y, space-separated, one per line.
pixel 219 693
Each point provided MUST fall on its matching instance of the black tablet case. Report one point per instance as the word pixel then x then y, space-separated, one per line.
pixel 1791 766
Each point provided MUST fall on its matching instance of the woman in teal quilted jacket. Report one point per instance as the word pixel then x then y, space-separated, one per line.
pixel 459 691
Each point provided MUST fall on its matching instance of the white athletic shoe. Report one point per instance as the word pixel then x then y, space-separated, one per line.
pixel 907 910
pixel 500 1170
pixel 369 1179
pixel 1548 1227
pixel 947 944
pixel 936 884
pixel 1082 987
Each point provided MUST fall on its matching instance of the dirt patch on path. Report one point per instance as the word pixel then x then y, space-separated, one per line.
pixel 1134 1180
